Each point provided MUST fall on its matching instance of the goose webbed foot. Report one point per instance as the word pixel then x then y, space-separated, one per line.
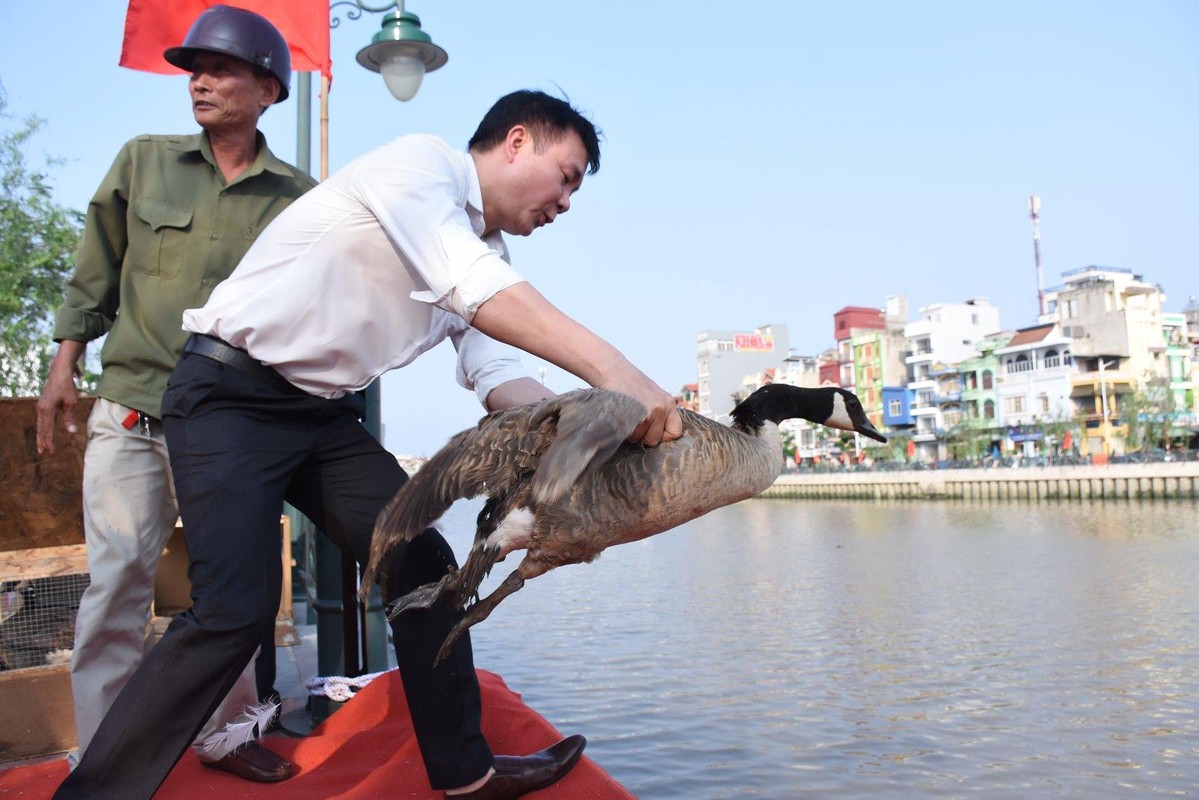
pixel 477 567
pixel 460 585
pixel 479 612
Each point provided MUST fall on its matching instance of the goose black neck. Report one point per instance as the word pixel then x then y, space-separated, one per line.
pixel 778 401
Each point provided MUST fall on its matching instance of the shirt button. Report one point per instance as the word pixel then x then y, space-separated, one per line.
pixel 215 236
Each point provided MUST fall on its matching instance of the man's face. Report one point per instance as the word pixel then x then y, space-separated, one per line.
pixel 541 180
pixel 226 93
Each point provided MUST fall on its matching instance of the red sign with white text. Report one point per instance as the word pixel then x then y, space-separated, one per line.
pixel 752 343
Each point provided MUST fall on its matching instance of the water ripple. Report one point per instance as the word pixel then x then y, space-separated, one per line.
pixel 794 649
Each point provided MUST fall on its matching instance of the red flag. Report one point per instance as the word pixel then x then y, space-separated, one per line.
pixel 151 26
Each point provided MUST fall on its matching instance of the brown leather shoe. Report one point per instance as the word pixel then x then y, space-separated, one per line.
pixel 254 762
pixel 516 776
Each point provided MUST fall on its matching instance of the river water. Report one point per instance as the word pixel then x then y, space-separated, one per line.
pixel 805 649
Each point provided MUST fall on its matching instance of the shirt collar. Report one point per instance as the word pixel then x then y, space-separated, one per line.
pixel 474 194
pixel 264 161
pixel 474 209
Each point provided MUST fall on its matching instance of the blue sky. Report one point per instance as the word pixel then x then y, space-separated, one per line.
pixel 763 161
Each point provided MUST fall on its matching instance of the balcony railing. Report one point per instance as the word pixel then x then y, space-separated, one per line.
pixel 1110 377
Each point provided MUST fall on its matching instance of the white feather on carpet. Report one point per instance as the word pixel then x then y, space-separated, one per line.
pixel 241 730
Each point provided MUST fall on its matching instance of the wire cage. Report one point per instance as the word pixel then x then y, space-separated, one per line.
pixel 37 620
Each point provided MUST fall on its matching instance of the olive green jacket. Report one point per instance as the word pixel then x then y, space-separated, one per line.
pixel 162 230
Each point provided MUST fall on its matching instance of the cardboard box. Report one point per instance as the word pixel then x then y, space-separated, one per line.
pixel 172 590
pixel 36 715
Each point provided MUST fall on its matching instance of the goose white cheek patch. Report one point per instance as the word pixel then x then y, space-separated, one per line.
pixel 513 532
pixel 840 416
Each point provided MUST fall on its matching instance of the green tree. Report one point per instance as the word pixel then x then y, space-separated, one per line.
pixel 1147 413
pixel 38 238
pixel 969 439
pixel 788 438
pixel 1057 426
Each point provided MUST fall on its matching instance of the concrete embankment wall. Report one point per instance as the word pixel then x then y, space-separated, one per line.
pixel 1113 481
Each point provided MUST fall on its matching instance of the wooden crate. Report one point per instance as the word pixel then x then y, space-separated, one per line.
pixel 36 715
pixel 41 536
pixel 172 590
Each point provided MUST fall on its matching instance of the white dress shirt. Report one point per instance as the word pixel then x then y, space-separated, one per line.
pixel 367 271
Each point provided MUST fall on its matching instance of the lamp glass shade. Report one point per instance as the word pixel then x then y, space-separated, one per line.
pixel 402 72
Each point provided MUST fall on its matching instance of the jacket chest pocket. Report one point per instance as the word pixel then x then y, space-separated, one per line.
pixel 158 238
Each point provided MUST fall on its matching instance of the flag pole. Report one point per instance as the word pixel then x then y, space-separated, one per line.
pixel 324 127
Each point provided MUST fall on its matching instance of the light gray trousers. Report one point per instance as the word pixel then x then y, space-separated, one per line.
pixel 129 512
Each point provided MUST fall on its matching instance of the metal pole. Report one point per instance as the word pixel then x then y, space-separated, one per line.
pixel 1103 394
pixel 301 529
pixel 374 622
pixel 1034 208
pixel 330 632
pixel 304 122
pixel 324 127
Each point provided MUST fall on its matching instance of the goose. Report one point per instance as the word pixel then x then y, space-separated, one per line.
pixel 563 484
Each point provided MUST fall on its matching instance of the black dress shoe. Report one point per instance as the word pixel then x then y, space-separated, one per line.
pixel 254 763
pixel 516 776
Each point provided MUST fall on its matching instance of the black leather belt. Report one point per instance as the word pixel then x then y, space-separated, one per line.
pixel 211 347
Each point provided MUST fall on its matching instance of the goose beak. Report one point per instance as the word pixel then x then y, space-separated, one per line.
pixel 864 427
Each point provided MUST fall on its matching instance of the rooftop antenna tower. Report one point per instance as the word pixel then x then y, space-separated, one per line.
pixel 1034 210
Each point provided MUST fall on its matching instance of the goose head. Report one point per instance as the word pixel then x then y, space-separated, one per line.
pixel 830 406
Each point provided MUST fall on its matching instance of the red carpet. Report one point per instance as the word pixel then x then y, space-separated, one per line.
pixel 364 751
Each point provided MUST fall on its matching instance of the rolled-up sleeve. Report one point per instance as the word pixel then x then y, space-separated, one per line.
pixel 483 362
pixel 416 185
pixel 93 293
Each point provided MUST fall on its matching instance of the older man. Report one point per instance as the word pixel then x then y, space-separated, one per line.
pixel 172 218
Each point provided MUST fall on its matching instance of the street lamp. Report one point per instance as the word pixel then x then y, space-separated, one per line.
pixel 403 53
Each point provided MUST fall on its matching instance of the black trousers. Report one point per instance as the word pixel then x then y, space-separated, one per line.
pixel 241 445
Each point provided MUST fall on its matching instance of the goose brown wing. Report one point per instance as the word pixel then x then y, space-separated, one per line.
pixel 489 458
pixel 592 424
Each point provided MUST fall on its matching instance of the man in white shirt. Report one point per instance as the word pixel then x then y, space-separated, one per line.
pixel 397 251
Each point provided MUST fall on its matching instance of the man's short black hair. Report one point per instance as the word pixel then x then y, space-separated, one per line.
pixel 547 117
